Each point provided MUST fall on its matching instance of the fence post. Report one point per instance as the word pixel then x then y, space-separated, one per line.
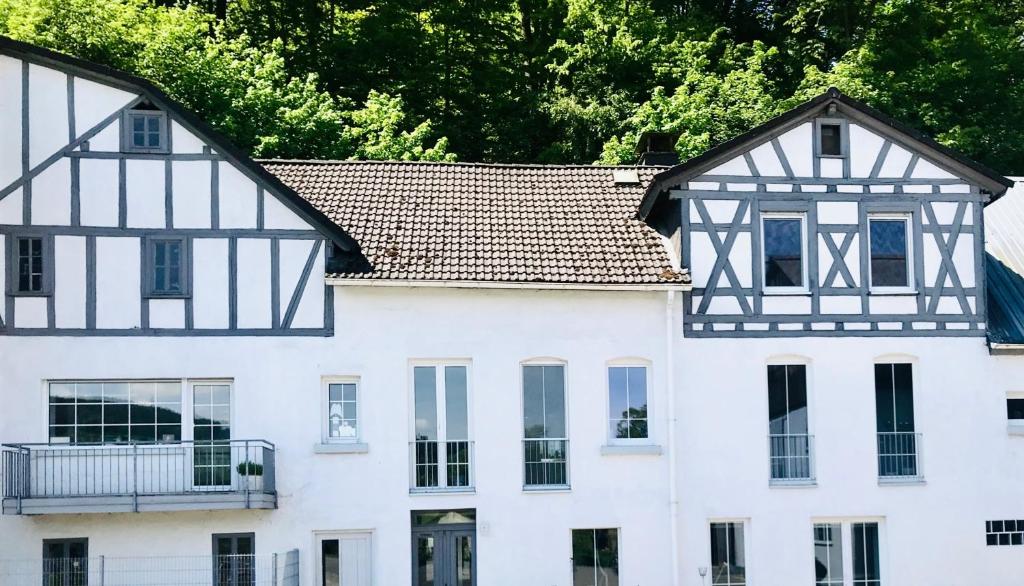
pixel 135 477
pixel 246 467
pixel 103 570
pixel 274 569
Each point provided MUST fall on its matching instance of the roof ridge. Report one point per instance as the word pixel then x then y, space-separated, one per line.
pixel 273 161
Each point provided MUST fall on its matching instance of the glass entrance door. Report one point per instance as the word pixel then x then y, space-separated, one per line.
pixel 65 562
pixel 233 560
pixel 444 548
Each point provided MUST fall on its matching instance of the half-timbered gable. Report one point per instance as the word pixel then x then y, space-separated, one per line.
pixel 830 219
pixel 122 213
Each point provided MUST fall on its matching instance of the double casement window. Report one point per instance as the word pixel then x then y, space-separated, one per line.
pixel 595 557
pixel 789 440
pixel 784 244
pixel 898 443
pixel 89 412
pixel 167 267
pixel 728 554
pixel 890 252
pixel 145 131
pixel 545 439
pixel 29 274
pixel 627 404
pixel 441 447
pixel 847 554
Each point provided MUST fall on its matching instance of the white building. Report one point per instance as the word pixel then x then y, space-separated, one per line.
pixel 788 361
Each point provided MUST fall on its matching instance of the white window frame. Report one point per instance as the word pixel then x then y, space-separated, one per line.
pixel 846 531
pixel 907 223
pixel 545 361
pixel 325 409
pixel 627 363
pixel 742 522
pixel 1013 426
pixel 792 360
pixel 803 288
pixel 441 398
pixel 320 536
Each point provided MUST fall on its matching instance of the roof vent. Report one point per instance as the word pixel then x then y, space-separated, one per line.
pixel 625 177
pixel 657 148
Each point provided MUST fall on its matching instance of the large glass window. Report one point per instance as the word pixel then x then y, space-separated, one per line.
pixel 787 422
pixel 627 402
pixel 595 557
pixel 838 546
pixel 894 413
pixel 211 429
pixel 783 236
pixel 889 258
pixel 866 566
pixel 828 554
pixel 441 446
pixel 114 411
pixel 545 443
pixel 728 556
pixel 29 262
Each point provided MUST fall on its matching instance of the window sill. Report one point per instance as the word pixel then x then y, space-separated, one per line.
pixel 548 489
pixel 442 491
pixel 166 296
pixel 824 156
pixel 901 481
pixel 631 450
pixel 785 292
pixel 1015 429
pixel 793 483
pixel 341 448
pixel 30 293
pixel 893 292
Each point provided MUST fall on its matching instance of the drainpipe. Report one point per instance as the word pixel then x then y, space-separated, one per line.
pixel 673 498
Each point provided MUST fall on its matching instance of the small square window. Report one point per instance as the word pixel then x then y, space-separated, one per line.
pixel 1015 409
pixel 168 263
pixel 145 131
pixel 831 139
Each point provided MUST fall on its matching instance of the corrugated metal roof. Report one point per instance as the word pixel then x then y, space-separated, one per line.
pixel 1004 266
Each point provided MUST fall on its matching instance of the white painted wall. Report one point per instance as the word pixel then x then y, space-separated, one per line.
pixel 277 387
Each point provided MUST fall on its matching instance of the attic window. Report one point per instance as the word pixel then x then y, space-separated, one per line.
pixel 830 140
pixel 145 131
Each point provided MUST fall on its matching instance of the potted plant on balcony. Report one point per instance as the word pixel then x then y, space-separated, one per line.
pixel 251 472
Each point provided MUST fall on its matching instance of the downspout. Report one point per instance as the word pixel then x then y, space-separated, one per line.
pixel 673 497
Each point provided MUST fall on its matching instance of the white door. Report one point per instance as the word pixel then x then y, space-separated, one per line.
pixel 344 559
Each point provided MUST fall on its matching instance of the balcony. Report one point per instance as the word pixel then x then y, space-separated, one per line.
pixel 545 464
pixel 39 479
pixel 441 466
pixel 791 458
pixel 899 457
pixel 222 570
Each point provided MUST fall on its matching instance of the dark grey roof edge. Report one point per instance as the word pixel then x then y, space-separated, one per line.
pixel 127 81
pixel 453 164
pixel 665 179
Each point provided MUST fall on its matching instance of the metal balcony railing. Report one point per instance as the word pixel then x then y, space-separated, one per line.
pixel 137 470
pixel 441 465
pixel 225 570
pixel 545 463
pixel 791 457
pixel 899 455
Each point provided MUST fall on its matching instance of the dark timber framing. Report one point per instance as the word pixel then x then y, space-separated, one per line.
pixel 77 148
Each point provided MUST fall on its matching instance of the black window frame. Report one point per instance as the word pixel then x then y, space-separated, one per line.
pixel 14 266
pixel 127 122
pixel 844 138
pixel 184 271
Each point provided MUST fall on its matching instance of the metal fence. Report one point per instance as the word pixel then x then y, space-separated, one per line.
pixel 440 465
pixel 899 454
pixel 545 462
pixel 791 457
pixel 228 570
pixel 56 470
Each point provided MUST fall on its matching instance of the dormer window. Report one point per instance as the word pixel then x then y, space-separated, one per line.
pixel 145 131
pixel 829 137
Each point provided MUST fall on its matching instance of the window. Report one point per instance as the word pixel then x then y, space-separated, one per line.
pixel 545 443
pixel 145 131
pixel 889 256
pixel 595 557
pixel 114 411
pixel 627 402
pixel 728 556
pixel 342 411
pixel 789 441
pixel 234 559
pixel 783 247
pixel 29 260
pixel 830 563
pixel 167 260
pixel 344 559
pixel 1015 409
pixel 829 141
pixel 66 562
pixel 1004 532
pixel 441 447
pixel 894 413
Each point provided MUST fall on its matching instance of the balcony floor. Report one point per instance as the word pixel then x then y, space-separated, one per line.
pixel 194 501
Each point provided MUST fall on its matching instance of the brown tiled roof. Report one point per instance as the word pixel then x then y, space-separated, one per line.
pixel 481 222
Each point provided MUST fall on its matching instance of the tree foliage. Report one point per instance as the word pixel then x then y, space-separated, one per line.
pixel 549 80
